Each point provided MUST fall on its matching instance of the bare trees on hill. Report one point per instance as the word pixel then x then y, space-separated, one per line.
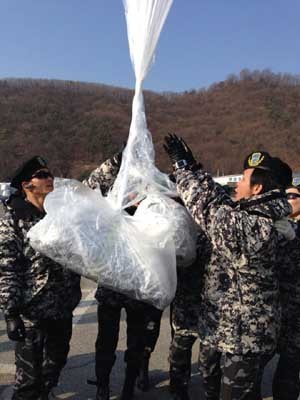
pixel 77 125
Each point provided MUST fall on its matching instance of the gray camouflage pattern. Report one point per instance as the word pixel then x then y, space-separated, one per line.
pixel 186 304
pixel 103 177
pixel 230 376
pixel 38 371
pixel 30 283
pixel 184 313
pixel 289 267
pixel 240 309
pixel 286 383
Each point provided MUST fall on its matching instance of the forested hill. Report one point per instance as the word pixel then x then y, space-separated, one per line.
pixel 77 125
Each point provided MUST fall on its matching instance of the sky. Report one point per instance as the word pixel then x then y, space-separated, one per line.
pixel 202 42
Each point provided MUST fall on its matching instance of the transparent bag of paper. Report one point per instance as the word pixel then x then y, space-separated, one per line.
pixel 134 256
pixel 182 227
pixel 138 173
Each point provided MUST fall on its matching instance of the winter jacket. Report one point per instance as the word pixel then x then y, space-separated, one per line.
pixel 31 284
pixel 240 309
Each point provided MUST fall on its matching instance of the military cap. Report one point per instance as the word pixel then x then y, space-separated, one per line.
pixel 263 160
pixel 259 159
pixel 282 172
pixel 26 170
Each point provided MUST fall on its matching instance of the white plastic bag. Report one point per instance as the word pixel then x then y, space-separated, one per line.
pixel 93 235
pixel 138 173
pixel 182 227
pixel 130 255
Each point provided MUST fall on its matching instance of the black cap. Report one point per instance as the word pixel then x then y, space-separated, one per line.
pixel 26 170
pixel 282 172
pixel 259 159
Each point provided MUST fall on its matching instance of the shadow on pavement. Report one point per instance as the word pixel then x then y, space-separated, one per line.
pixel 88 318
pixel 7 346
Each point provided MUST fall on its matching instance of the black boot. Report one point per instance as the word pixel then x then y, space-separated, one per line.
pixel 129 383
pixel 44 396
pixel 143 377
pixel 103 388
pixel 179 392
pixel 102 392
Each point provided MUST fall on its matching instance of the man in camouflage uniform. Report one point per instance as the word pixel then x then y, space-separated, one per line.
pixel 37 295
pixel 240 313
pixel 142 320
pixel 286 385
pixel 184 313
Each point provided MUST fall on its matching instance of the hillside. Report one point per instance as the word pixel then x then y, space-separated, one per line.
pixel 77 125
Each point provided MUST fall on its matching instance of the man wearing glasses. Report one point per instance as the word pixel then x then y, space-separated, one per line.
pixel 286 384
pixel 37 295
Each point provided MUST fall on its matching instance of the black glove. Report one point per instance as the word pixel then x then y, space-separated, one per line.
pixel 15 328
pixel 117 158
pixel 179 152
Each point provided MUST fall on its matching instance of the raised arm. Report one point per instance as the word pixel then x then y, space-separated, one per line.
pixel 104 176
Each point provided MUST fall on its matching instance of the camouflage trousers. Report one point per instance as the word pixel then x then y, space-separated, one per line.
pixel 286 384
pixel 41 357
pixel 139 336
pixel 231 376
pixel 180 356
pixel 183 338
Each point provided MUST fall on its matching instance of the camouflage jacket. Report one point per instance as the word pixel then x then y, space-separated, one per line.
pixel 103 177
pixel 240 309
pixel 30 283
pixel 185 307
pixel 289 267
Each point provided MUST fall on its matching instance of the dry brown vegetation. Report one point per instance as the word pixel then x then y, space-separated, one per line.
pixel 78 125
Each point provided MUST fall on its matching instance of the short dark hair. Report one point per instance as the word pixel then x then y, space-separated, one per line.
pixel 265 178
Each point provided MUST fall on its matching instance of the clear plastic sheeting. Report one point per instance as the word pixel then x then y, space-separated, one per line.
pixel 132 255
pixel 182 227
pixel 94 236
pixel 138 175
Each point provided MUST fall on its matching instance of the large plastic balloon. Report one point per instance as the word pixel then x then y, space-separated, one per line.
pixel 138 174
pixel 93 235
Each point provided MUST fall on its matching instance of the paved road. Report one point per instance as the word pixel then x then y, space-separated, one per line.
pixel 80 365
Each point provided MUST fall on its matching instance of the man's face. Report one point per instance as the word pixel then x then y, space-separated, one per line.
pixel 243 189
pixel 293 196
pixel 41 182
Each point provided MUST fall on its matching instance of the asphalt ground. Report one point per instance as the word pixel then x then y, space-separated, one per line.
pixel 80 366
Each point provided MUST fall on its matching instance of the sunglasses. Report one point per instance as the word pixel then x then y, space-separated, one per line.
pixel 42 175
pixel 292 196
